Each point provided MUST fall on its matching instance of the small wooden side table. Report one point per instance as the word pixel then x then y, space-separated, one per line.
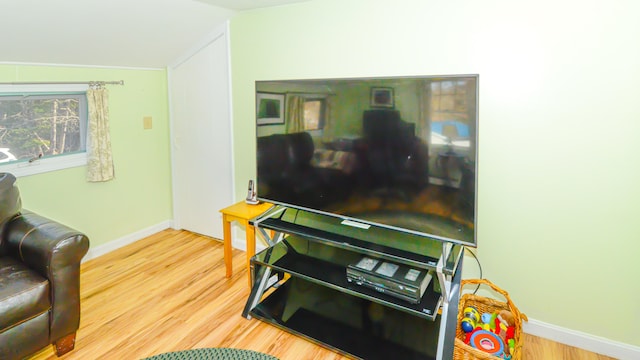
pixel 242 213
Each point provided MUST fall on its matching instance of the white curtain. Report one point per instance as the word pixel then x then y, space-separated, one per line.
pixel 295 114
pixel 99 158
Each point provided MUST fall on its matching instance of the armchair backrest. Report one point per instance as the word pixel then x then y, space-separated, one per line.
pixel 280 154
pixel 301 149
pixel 380 125
pixel 10 204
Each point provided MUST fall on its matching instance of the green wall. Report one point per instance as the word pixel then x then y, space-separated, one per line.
pixel 140 195
pixel 558 181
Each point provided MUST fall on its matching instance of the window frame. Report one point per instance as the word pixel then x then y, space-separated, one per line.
pixel 57 162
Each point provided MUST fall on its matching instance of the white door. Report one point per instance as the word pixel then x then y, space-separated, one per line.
pixel 201 138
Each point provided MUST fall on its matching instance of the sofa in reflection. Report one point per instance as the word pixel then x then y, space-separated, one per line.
pixel 39 279
pixel 292 171
pixel 388 159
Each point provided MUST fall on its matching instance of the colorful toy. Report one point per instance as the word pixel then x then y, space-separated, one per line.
pixel 492 333
pixel 492 322
pixel 487 342
pixel 467 337
pixel 470 320
pixel 486 318
pixel 507 318
pixel 496 327
pixel 503 328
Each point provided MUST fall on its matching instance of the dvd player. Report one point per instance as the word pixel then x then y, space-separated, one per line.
pixel 397 280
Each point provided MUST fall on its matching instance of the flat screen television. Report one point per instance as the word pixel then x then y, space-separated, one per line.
pixel 393 152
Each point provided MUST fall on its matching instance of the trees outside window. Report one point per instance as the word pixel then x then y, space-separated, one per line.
pixel 40 126
pixel 35 127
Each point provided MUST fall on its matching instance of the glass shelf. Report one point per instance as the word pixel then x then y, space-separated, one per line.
pixel 349 325
pixel 325 265
pixel 410 249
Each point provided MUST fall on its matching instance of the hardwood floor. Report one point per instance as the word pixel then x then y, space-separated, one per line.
pixel 168 292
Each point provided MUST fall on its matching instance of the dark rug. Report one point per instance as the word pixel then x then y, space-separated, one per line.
pixel 212 354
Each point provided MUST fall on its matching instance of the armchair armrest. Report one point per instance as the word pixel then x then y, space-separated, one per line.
pixel 55 251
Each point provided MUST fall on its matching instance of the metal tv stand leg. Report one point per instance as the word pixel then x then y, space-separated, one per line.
pixel 262 273
pixel 450 286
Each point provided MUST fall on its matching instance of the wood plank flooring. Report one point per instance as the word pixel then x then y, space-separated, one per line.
pixel 168 292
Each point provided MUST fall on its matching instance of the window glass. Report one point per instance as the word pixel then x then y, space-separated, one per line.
pixel 38 126
pixel 314 110
pixel 449 113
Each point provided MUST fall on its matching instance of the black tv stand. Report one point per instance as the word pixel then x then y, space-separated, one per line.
pixel 300 285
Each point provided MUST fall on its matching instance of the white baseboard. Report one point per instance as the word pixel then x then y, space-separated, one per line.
pixel 94 252
pixel 582 340
pixel 239 240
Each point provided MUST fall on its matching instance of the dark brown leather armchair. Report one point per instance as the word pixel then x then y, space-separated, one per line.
pixel 39 279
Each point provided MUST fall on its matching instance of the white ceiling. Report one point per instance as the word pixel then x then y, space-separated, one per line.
pixel 126 33
pixel 249 4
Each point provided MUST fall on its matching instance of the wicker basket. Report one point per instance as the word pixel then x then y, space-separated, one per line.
pixel 462 351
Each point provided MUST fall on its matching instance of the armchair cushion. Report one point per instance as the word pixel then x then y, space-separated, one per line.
pixel 24 294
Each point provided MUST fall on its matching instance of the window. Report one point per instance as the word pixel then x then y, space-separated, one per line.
pixel 449 110
pixel 42 130
pixel 314 113
pixel 449 99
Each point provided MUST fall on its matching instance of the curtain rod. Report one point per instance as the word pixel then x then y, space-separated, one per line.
pixel 309 93
pixel 121 82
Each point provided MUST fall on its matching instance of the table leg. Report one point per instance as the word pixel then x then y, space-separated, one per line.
pixel 226 228
pixel 251 248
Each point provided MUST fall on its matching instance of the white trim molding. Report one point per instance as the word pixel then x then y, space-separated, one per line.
pixel 239 238
pixel 126 240
pixel 39 166
pixel 582 340
pixel 13 63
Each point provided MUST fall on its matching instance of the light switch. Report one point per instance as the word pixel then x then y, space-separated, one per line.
pixel 147 122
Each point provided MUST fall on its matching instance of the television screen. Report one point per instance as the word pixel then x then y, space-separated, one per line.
pixel 395 152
